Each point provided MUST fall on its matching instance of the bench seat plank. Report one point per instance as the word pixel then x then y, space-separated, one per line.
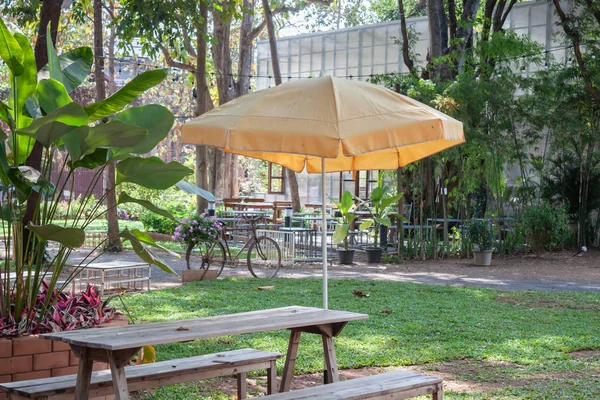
pixel 150 375
pixel 391 385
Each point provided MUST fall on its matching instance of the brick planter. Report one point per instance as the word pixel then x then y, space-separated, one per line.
pixel 30 357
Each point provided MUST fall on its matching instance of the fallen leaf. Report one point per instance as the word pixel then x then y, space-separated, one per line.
pixel 360 293
pixel 266 287
pixel 386 310
pixel 182 328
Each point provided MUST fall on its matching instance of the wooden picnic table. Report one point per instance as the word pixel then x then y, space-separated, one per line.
pixel 117 345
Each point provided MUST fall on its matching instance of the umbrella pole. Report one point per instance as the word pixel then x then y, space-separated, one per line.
pixel 324 233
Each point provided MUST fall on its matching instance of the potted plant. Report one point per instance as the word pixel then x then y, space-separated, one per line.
pixel 44 126
pixel 379 207
pixel 201 232
pixel 346 214
pixel 481 236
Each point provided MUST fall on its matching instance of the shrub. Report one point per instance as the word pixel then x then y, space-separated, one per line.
pixel 481 235
pixel 198 229
pixel 70 311
pixel 546 225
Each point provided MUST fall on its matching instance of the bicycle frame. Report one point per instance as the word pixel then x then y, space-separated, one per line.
pixel 235 259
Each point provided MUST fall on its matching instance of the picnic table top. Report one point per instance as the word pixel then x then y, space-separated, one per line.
pixel 135 336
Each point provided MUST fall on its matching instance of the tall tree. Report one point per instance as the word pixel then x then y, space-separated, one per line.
pixel 291 175
pixel 114 241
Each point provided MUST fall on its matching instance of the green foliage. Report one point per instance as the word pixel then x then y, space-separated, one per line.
pixel 346 209
pixel 547 226
pixel 45 112
pixel 162 224
pixel 480 234
pixel 380 208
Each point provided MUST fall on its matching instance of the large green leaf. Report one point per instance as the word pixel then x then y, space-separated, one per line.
pixel 22 188
pixel 26 82
pixel 126 95
pixel 74 142
pixel 113 134
pixel 76 65
pixel 340 233
pixel 69 237
pixel 143 252
pixel 53 126
pixel 346 201
pixel 96 159
pixel 52 95
pixel 147 239
pixel 151 172
pixel 10 51
pixel 5 113
pixel 193 189
pixel 155 118
pixel 125 198
pixel 53 61
pixel 25 85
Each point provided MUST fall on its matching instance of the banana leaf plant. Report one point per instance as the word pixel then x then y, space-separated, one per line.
pixel 379 207
pixel 39 108
pixel 346 208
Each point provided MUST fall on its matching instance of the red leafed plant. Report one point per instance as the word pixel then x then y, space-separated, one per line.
pixel 70 311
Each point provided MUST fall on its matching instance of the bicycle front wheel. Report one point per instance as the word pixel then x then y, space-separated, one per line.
pixel 213 256
pixel 264 258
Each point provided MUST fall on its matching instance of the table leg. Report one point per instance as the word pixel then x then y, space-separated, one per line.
pixel 272 378
pixel 84 375
pixel 117 370
pixel 242 385
pixel 331 368
pixel 290 360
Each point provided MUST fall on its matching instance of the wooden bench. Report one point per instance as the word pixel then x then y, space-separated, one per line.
pixel 147 376
pixel 391 385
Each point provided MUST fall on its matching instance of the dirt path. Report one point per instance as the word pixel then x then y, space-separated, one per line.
pixel 552 272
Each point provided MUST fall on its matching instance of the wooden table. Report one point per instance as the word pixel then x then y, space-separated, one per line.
pixel 117 345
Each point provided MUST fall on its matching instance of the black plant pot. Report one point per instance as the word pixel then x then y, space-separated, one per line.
pixel 374 255
pixel 345 256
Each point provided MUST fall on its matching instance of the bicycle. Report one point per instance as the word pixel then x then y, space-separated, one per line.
pixel 263 257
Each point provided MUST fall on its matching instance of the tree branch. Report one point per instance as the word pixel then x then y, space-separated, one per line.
pixel 173 63
pixel 186 36
pixel 594 9
pixel 508 10
pixel 574 36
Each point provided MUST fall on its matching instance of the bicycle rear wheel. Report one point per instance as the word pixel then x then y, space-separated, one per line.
pixel 264 258
pixel 212 256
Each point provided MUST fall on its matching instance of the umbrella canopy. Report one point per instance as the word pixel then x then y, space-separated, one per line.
pixel 354 125
pixel 326 125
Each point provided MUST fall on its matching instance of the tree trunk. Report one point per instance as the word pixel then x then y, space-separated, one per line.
pixel 112 88
pixel 291 175
pixel 114 241
pixel 405 42
pixel 49 15
pixel 202 104
pixel 438 34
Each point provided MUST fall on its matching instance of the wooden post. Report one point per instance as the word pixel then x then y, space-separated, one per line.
pixel 84 375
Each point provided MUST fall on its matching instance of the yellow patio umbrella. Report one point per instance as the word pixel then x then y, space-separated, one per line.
pixel 324 125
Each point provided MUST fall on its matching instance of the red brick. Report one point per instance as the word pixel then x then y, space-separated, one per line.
pixel 60 346
pixel 5 348
pixel 65 371
pixel 31 375
pixel 30 345
pixel 118 320
pixel 2 396
pixel 73 360
pixel 45 361
pixel 5 378
pixel 16 364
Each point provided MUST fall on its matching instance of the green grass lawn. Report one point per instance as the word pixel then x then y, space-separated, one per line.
pixel 518 343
